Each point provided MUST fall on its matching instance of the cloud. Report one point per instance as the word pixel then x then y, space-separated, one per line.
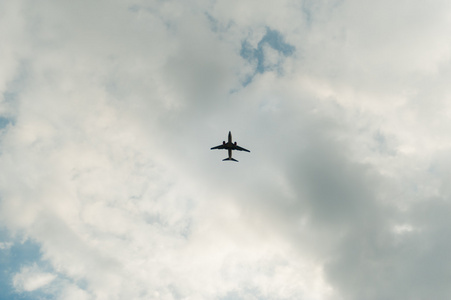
pixel 108 112
pixel 5 245
pixel 30 279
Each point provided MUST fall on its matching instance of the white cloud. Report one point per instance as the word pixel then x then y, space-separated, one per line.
pixel 32 278
pixel 5 246
pixel 107 163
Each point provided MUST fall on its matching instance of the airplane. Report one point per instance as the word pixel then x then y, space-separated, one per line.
pixel 230 146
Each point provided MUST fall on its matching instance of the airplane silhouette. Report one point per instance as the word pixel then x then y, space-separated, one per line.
pixel 230 146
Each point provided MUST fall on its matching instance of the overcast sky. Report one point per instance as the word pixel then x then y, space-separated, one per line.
pixel 109 189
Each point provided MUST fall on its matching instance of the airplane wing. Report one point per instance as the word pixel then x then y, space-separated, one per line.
pixel 236 147
pixel 218 147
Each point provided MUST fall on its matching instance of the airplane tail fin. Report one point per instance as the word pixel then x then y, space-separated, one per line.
pixel 229 159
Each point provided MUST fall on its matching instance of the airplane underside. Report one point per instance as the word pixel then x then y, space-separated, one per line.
pixel 230 156
pixel 230 146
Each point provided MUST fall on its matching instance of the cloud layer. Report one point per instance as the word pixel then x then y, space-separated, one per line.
pixel 108 111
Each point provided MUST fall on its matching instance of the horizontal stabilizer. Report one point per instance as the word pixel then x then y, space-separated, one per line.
pixel 229 159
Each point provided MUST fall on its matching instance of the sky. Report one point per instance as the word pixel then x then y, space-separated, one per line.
pixel 109 189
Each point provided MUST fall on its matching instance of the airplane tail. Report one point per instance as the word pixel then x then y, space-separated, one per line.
pixel 229 159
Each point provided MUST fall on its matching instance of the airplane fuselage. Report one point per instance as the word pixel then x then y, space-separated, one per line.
pixel 230 146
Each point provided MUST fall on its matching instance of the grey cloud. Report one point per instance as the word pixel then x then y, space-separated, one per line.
pixel 378 264
pixel 344 195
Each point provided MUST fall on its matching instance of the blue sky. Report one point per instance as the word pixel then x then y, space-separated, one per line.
pixel 15 253
pixel 108 187
pixel 257 56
